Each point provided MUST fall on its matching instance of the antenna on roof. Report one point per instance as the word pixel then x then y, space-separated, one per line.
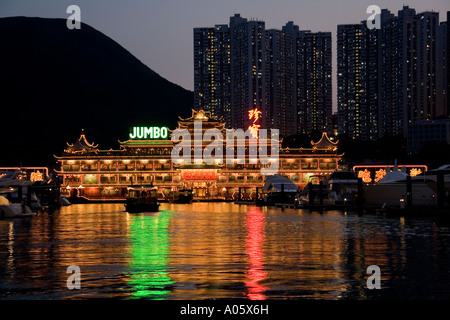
pixel 201 100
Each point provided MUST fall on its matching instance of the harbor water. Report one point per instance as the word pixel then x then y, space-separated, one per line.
pixel 222 250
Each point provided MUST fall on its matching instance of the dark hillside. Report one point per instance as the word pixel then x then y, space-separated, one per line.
pixel 55 82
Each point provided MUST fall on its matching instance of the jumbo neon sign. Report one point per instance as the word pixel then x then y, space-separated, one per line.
pixel 149 133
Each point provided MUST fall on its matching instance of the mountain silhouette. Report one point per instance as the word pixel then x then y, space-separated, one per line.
pixel 54 82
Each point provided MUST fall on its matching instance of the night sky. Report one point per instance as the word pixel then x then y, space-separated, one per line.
pixel 160 32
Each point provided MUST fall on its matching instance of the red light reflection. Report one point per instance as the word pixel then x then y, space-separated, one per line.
pixel 255 238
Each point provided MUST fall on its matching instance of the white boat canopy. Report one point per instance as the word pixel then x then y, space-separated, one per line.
pixel 393 176
pixel 275 182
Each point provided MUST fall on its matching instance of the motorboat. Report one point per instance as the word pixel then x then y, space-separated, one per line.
pixel 338 189
pixel 343 187
pixel 38 195
pixel 142 198
pixel 442 170
pixel 180 196
pixel 34 204
pixel 392 190
pixel 64 201
pixel 279 189
pixel 11 182
pixel 14 210
pixel 13 179
pixel 314 194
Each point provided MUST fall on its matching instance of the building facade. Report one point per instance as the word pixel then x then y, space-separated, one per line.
pixel 357 81
pixel 282 79
pixel 285 74
pixel 212 74
pixel 447 65
pixel 105 174
pixel 422 132
pixel 249 64
pixel 390 77
pixel 442 73
pixel 313 81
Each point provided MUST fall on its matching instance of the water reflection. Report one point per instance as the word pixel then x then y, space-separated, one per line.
pixel 222 250
pixel 10 245
pixel 255 239
pixel 150 245
pixel 207 251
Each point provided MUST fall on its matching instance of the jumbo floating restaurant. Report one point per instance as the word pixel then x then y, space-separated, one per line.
pixel 145 158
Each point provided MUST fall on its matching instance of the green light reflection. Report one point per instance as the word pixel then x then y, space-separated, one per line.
pixel 149 251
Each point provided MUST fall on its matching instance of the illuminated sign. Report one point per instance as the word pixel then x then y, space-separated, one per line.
pixel 36 176
pixel 415 172
pixel 374 173
pixel 254 128
pixel 379 174
pixel 199 175
pixel 149 133
pixel 365 175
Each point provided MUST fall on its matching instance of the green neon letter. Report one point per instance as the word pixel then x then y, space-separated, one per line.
pixel 164 132
pixel 156 132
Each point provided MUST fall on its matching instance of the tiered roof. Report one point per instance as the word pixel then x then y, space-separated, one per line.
pixel 81 145
pixel 325 144
pixel 208 121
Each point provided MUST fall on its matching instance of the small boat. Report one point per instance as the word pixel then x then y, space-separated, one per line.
pixel 64 201
pixel 279 189
pixel 391 190
pixel 14 210
pixel 343 187
pixel 180 196
pixel 314 195
pixel 34 204
pixel 142 199
pixel 11 179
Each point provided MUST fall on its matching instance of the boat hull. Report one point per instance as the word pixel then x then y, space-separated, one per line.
pixel 395 194
pixel 141 207
pixel 15 210
pixel 182 196
pixel 181 199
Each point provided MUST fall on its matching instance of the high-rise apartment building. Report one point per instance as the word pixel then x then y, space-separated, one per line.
pixel 314 81
pixel 282 78
pixel 410 44
pixel 357 81
pixel 285 74
pixel 249 64
pixel 390 116
pixel 441 71
pixel 389 78
pixel 447 65
pixel 427 57
pixel 446 55
pixel 212 73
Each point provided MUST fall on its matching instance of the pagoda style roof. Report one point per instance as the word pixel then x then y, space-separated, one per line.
pixel 81 145
pixel 208 121
pixel 325 143
pixel 202 115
